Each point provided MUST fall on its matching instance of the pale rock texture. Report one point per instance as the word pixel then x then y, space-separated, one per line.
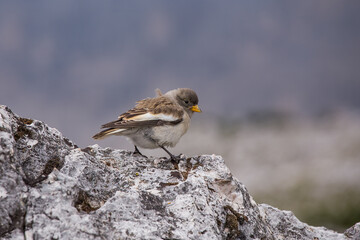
pixel 51 189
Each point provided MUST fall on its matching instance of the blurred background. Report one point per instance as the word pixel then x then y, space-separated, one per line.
pixel 278 82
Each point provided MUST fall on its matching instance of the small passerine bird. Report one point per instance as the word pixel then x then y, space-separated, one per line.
pixel 155 122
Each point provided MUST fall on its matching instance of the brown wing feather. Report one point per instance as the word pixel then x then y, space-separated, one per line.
pixel 156 105
pixel 148 123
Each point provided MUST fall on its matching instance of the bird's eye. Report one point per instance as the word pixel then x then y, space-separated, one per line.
pixel 186 101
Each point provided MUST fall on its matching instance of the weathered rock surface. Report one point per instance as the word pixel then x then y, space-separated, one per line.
pixel 51 189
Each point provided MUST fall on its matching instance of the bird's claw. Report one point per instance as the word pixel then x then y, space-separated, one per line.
pixel 137 152
pixel 176 159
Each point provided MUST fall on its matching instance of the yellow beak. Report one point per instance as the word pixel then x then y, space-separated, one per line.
pixel 195 108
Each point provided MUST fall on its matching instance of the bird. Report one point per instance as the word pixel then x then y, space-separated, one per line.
pixel 157 122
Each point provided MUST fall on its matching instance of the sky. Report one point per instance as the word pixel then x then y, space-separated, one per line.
pixel 78 64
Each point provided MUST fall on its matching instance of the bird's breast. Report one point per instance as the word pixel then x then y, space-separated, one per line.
pixel 169 135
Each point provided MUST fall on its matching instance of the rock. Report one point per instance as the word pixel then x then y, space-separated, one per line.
pixel 51 189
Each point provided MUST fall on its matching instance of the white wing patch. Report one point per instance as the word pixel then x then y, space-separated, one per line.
pixel 116 131
pixel 150 116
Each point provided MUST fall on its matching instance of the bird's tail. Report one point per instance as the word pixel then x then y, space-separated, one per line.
pixel 107 132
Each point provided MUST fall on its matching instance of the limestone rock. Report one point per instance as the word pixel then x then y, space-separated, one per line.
pixel 51 189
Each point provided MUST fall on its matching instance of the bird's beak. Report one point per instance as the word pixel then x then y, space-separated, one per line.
pixel 195 108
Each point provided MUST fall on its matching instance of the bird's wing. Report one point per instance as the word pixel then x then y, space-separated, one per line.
pixel 149 112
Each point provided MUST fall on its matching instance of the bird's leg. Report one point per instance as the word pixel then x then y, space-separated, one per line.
pixel 173 158
pixel 138 152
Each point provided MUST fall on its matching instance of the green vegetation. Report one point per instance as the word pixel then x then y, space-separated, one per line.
pixel 337 210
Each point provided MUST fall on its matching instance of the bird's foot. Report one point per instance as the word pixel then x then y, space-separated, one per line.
pixel 176 159
pixel 137 152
